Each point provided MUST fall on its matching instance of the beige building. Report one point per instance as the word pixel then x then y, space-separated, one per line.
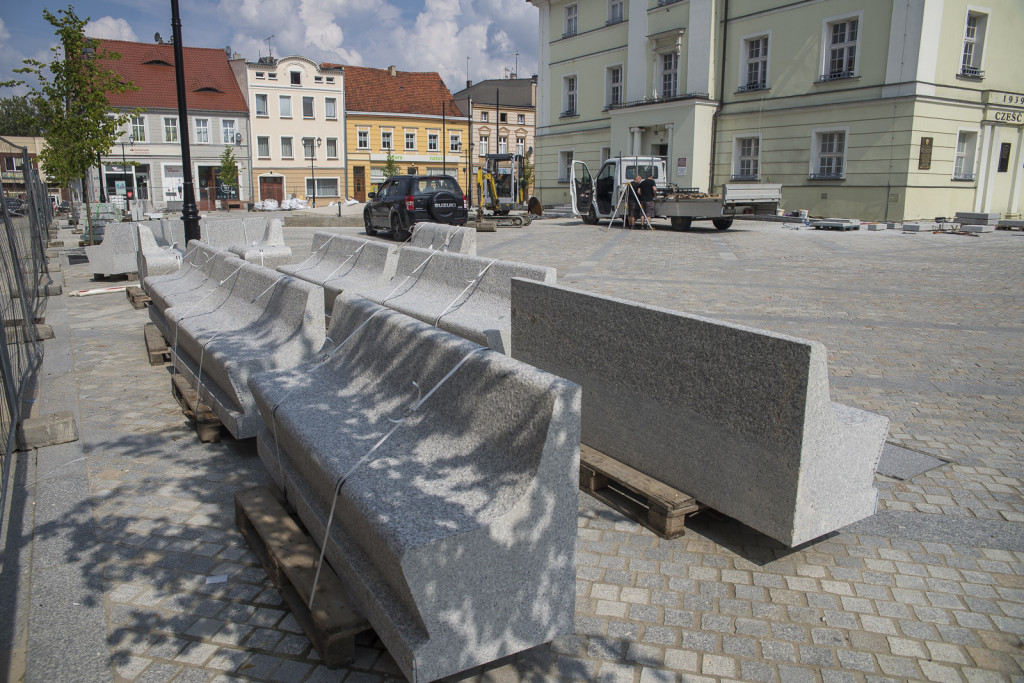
pixel 879 109
pixel 297 122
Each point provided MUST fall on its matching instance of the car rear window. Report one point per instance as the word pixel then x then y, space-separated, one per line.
pixel 643 170
pixel 431 185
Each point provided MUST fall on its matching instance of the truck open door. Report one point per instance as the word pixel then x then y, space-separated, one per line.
pixel 581 188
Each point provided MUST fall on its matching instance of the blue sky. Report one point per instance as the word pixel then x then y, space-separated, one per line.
pixel 415 35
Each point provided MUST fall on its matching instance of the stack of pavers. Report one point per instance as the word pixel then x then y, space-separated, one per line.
pixel 976 222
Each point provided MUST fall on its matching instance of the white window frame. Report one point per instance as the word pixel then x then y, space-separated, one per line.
pixel 281 107
pixel 502 144
pixel 485 145
pixel 331 102
pixel 138 128
pixel 738 156
pixel 969 154
pixel 521 119
pixel 571 20
pixel 606 154
pixel 817 135
pixel 520 145
pixel 291 147
pixel 328 143
pixel 228 130
pixel 308 143
pixel 565 159
pixel 389 135
pixel 825 73
pixel 670 75
pixel 616 12
pixel 570 95
pixel 260 139
pixel 485 116
pixel 455 142
pixel 745 60
pixel 433 141
pixel 261 97
pixel 360 138
pixel 610 86
pixel 171 124
pixel 408 132
pixel 975 69
pixel 331 188
pixel 312 107
pixel 202 132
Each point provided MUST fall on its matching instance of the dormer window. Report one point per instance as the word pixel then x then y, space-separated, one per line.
pixel 272 76
pixel 296 77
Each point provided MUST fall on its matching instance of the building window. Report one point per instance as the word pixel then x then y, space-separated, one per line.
pixel 410 140
pixel 272 75
pixel 614 86
pixel 748 155
pixel 260 75
pixel 571 18
pixel 227 127
pixel 606 154
pixel 503 117
pixel 307 107
pixel 565 166
pixel 433 144
pixel 616 11
pixel 831 154
pixel 263 146
pixel 318 79
pixel 974 41
pixel 841 60
pixel 756 64
pixel 485 116
pixel 569 96
pixel 362 139
pixel 286 148
pixel 484 145
pixel 261 105
pixel 139 128
pixel 963 161
pixel 385 139
pixel 170 129
pixel 331 107
pixel 296 77
pixel 308 148
pixel 669 74
pixel 285 105
pixel 521 119
pixel 1004 158
pixel 330 80
pixel 202 131
pixel 521 146
pixel 503 145
pixel 325 187
pixel 332 148
pixel 455 142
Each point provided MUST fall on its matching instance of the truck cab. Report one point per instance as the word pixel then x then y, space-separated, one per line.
pixel 595 199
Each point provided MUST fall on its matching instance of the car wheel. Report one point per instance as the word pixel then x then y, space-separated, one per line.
pixel 398 233
pixel 681 222
pixel 368 223
pixel 590 217
pixel 722 223
pixel 443 206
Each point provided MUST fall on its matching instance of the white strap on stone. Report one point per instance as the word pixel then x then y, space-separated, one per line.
pixel 472 283
pixel 350 257
pixel 409 276
pixel 358 463
pixel 314 253
pixel 177 323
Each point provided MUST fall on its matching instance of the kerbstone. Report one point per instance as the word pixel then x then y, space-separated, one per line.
pixel 920 227
pixel 46 430
pixel 738 418
pixel 459 240
pixel 456 535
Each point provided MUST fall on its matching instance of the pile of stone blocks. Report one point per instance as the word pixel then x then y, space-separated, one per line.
pixel 461 240
pixel 454 530
pixel 738 418
pixel 974 218
pixel 1010 224
pixel 227 319
pixel 466 295
pixel 341 263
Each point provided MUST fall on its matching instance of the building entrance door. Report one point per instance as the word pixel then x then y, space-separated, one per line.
pixel 207 188
pixel 359 182
pixel 272 187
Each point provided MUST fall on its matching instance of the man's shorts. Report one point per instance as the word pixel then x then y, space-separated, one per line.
pixel 649 209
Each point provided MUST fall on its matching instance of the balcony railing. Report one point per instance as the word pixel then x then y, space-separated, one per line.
pixel 971 72
pixel 570 33
pixel 744 178
pixel 963 177
pixel 837 75
pixel 658 100
pixel 756 85
pixel 568 113
pixel 825 176
pixel 613 21
pixel 666 2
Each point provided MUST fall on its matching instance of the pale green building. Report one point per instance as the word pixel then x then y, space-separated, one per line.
pixel 877 109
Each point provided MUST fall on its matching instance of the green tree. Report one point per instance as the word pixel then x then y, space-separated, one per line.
pixel 71 99
pixel 18 116
pixel 391 167
pixel 527 171
pixel 228 171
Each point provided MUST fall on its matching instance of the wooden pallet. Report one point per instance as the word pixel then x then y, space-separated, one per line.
pixel 156 345
pixel 290 558
pixel 136 297
pixel 645 500
pixel 206 422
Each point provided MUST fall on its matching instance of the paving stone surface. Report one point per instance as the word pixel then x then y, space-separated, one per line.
pixel 923 328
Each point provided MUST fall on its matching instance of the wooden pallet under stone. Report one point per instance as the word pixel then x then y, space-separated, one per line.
pixel 136 297
pixel 290 557
pixel 645 500
pixel 156 345
pixel 206 422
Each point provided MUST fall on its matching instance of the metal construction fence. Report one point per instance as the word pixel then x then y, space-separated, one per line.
pixel 27 215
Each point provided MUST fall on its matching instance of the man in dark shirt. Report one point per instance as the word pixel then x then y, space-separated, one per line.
pixel 647 191
pixel 632 202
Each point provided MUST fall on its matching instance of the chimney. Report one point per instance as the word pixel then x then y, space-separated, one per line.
pixel 392 70
pixel 469 84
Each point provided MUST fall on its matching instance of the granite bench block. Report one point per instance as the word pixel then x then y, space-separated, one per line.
pixel 456 537
pixel 340 263
pixel 738 418
pixel 466 295
pixel 977 228
pixel 202 268
pixel 161 247
pixel 1010 223
pixel 973 218
pixel 264 243
pixel 920 227
pixel 254 320
pixel 117 253
pixel 460 240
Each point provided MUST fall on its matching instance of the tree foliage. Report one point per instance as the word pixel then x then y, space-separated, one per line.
pixel 18 116
pixel 228 171
pixel 391 167
pixel 528 171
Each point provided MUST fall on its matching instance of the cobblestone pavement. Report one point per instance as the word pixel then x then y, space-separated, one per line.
pixel 923 328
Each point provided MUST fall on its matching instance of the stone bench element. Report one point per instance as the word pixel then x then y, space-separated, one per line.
pixel 245 319
pixel 117 253
pixel 341 263
pixel 460 240
pixel 455 527
pixel 161 246
pixel 736 417
pixel 202 269
pixel 977 228
pixel 257 239
pixel 466 295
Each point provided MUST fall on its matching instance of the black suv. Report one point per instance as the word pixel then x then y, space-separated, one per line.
pixel 404 200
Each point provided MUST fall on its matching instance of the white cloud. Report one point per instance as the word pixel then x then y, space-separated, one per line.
pixel 111 29
pixel 4 33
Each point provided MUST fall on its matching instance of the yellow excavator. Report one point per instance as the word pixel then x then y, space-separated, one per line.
pixel 501 189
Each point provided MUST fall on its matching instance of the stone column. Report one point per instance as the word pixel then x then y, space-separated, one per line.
pixel 637 139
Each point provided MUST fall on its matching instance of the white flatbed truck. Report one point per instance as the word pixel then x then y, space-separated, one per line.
pixel 604 197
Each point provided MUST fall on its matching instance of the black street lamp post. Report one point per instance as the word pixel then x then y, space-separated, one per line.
pixel 189 212
pixel 124 163
pixel 99 167
pixel 312 157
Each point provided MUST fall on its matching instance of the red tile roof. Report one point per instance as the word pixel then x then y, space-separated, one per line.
pixel 407 92
pixel 209 82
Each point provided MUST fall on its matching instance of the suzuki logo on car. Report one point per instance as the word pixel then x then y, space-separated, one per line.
pixel 445 205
